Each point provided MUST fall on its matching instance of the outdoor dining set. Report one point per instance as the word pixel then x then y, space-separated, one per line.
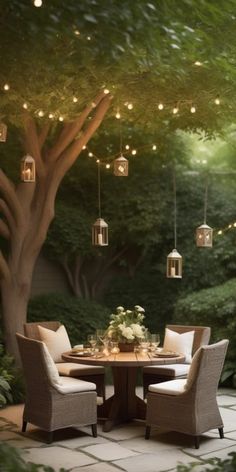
pixel 65 385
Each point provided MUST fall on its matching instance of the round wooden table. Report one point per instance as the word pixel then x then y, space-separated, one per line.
pixel 124 405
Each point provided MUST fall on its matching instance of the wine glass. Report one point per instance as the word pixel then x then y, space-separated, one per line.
pixel 101 335
pixel 154 341
pixel 92 339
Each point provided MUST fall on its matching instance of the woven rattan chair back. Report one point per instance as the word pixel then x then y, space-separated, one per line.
pixel 31 329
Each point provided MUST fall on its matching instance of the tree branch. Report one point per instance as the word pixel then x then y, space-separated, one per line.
pixel 32 144
pixel 70 130
pixel 9 193
pixel 43 135
pixel 4 269
pixel 5 210
pixel 4 230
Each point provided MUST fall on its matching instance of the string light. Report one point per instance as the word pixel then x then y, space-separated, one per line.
pixel 51 116
pixel 77 32
pixel 108 166
pixel 175 110
pixel 134 152
pixel 217 100
pixel 25 106
pixel 75 99
pixel 84 147
pixel 154 147
pixel 160 106
pixel 89 38
pixel 61 118
pixel 40 113
pixel 118 114
pixel 130 106
pixel 38 3
pixel 91 155
pixel 198 63
pixel 127 147
pixel 193 109
pixel 6 87
pixel 106 91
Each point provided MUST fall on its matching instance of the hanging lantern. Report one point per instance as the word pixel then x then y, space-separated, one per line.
pixel 121 166
pixel 100 233
pixel 3 132
pixel 28 169
pixel 174 265
pixel 204 236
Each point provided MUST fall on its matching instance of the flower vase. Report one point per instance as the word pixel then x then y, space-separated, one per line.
pixel 126 347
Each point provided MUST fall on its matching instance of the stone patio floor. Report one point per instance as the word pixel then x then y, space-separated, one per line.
pixel 122 449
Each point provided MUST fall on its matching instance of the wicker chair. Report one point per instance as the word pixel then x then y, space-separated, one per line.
pixel 49 404
pixel 156 374
pixel 94 374
pixel 189 405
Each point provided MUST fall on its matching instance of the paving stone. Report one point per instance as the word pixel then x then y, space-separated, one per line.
pixel 109 453
pixel 24 442
pixel 209 445
pixel 226 400
pixel 98 467
pixel 221 454
pixel 158 442
pixel 154 462
pixel 80 441
pixel 125 431
pixel 57 457
pixel 6 435
pixel 231 435
pixel 229 419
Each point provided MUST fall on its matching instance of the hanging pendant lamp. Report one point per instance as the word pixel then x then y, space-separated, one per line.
pixel 100 227
pixel 174 259
pixel 28 169
pixel 121 164
pixel 204 233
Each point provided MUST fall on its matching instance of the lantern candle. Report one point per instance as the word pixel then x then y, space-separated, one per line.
pixel 172 271
pixel 100 239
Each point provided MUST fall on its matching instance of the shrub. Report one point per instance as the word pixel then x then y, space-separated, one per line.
pixel 11 461
pixel 214 307
pixel 12 376
pixel 80 316
pixel 213 465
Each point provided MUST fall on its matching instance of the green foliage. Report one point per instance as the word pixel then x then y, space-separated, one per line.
pixel 80 317
pixel 213 465
pixel 11 380
pixel 214 307
pixel 11 461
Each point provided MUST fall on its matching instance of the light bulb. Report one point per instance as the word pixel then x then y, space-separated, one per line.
pixel 75 99
pixel 198 63
pixel 89 38
pixel 51 116
pixel 193 109
pixel 25 106
pixel 154 147
pixel 84 147
pixel 220 232
pixel 98 160
pixel 61 118
pixel 175 110
pixel 217 101
pixel 127 147
pixel 6 87
pixel 130 106
pixel 108 166
pixel 235 225
pixel 230 226
pixel 93 104
pixel 118 115
pixel 160 106
pixel 106 91
pixel 77 33
pixel 38 3
pixel 134 152
pixel 40 113
pixel 90 154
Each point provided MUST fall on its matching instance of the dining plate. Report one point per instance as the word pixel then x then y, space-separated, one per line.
pixel 167 354
pixel 81 354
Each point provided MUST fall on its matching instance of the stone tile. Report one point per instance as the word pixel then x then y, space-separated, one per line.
pixel 209 445
pixel 57 457
pixel 229 419
pixel 231 435
pixel 98 467
pixel 158 442
pixel 221 454
pixel 7 435
pixel 225 400
pixel 24 442
pixel 154 462
pixel 111 453
pixel 226 391
pixel 125 431
pixel 81 441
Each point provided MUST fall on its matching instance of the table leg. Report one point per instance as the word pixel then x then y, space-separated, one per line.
pixel 124 405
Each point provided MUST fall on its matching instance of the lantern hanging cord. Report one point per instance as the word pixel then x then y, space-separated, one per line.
pixel 175 209
pixel 206 200
pixel 99 191
pixel 120 138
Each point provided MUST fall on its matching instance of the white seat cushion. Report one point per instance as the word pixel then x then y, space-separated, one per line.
pixel 51 370
pixel 57 342
pixel 171 370
pixel 71 369
pixel 71 385
pixel 172 387
pixel 179 342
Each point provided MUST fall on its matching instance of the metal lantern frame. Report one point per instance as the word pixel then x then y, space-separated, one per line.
pixel 100 227
pixel 204 233
pixel 3 132
pixel 174 265
pixel 121 166
pixel 28 169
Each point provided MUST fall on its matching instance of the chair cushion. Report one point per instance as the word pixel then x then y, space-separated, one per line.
pixel 193 369
pixel 171 370
pixel 52 372
pixel 182 343
pixel 71 369
pixel 71 385
pixel 172 387
pixel 57 342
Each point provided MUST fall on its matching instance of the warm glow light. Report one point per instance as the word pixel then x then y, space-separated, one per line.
pixel 91 155
pixel 77 33
pixel 220 232
pixel 93 104
pixel 25 106
pixel 40 113
pixel 106 91
pixel 89 38
pixel 61 118
pixel 84 147
pixel 130 106
pixel 51 116
pixel 6 87
pixel 98 160
pixel 230 226
pixel 127 147
pixel 160 106
pixel 134 152
pixel 118 115
pixel 38 3
pixel 75 99
pixel 108 166
pixel 193 109
pixel 175 110
pixel 154 147
pixel 198 63
pixel 217 101
pixel 235 225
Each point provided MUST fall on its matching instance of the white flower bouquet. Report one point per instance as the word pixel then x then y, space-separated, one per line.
pixel 126 325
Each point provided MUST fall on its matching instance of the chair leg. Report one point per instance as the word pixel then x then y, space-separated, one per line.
pixel 147 432
pixel 94 430
pixel 50 437
pixel 221 432
pixel 196 442
pixel 24 424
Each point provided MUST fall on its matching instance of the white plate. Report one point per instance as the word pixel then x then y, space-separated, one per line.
pixel 81 354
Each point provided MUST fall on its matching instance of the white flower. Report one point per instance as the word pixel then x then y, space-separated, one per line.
pixel 126 331
pixel 137 330
pixel 120 308
pixel 128 312
pixel 139 309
